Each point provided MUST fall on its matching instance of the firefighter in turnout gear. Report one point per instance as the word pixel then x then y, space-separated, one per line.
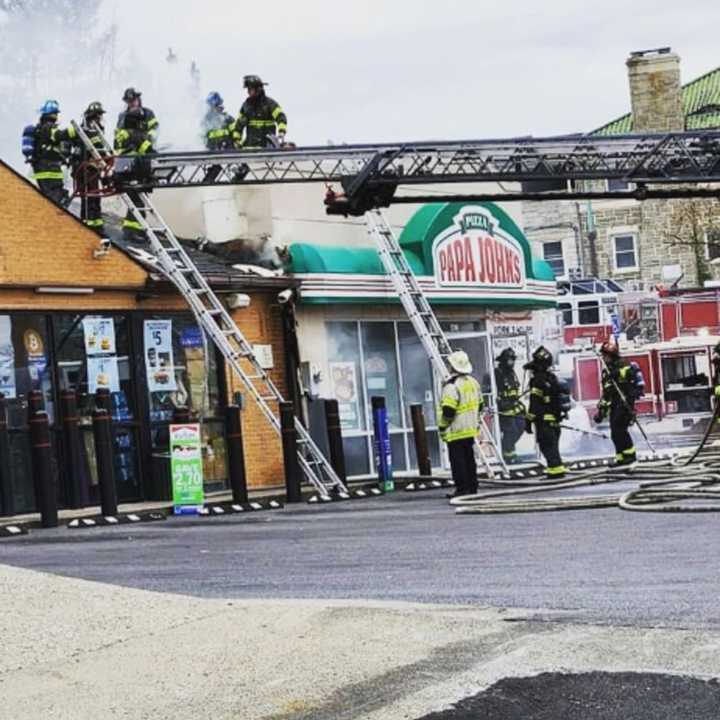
pixel 260 117
pixel 620 389
pixel 217 124
pixel 716 372
pixel 52 147
pixel 459 422
pixel 549 403
pixel 136 134
pixel 510 408
pixel 87 173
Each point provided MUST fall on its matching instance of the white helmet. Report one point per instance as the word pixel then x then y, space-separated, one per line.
pixel 460 362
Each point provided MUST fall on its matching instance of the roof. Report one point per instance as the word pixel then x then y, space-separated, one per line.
pixel 218 273
pixel 701 106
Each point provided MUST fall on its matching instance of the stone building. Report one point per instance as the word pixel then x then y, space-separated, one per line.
pixel 640 243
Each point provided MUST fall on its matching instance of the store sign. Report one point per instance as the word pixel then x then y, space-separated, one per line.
pixel 99 336
pixel 103 374
pixel 186 467
pixel 159 361
pixel 475 252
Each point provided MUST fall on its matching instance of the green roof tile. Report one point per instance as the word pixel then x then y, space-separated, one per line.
pixel 701 104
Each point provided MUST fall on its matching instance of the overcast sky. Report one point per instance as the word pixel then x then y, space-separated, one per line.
pixel 373 71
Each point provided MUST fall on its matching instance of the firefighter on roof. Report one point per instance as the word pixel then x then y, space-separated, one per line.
pixel 621 387
pixel 510 408
pixel 549 404
pixel 51 147
pixel 136 134
pixel 88 175
pixel 217 124
pixel 260 117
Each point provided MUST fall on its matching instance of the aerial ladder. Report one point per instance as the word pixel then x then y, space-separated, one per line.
pixel 659 165
pixel 219 326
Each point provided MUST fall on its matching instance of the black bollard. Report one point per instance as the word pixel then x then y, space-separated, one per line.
pixel 422 449
pixel 7 503
pixel 335 441
pixel 77 494
pixel 235 454
pixel 102 432
pixel 35 402
pixel 293 474
pixel 40 448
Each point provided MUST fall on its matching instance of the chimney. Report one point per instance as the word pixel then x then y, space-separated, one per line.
pixel 655 91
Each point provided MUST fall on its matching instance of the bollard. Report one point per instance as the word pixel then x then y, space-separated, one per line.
pixel 40 448
pixel 77 492
pixel 422 449
pixel 7 502
pixel 102 432
pixel 235 454
pixel 383 453
pixel 335 441
pixel 293 474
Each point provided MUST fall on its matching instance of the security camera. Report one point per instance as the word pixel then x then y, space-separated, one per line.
pixel 103 249
pixel 235 301
pixel 285 296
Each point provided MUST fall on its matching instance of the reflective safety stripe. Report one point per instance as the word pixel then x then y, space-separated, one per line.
pixel 144 147
pixel 548 417
pixel 132 225
pixel 262 123
pixel 282 127
pixel 536 391
pixel 618 456
pixel 556 470
pixel 152 123
pixel 460 435
pixel 277 111
pixel 629 451
pixel 49 175
pixel 95 223
pixel 509 393
pixel 215 134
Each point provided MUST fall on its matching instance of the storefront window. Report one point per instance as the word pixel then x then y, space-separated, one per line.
pixel 93 352
pixel 381 371
pixel 346 374
pixel 181 371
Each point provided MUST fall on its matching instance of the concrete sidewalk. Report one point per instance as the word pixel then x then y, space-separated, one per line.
pixel 81 650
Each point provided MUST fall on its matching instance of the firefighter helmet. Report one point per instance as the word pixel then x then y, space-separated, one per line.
pixel 460 362
pixel 507 356
pixel 215 100
pixel 253 81
pixel 94 109
pixel 609 347
pixel 542 359
pixel 50 107
pixel 131 94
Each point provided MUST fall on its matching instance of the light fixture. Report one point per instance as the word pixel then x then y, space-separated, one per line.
pixel 58 290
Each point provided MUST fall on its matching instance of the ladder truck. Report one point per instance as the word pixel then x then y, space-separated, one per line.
pixel 660 166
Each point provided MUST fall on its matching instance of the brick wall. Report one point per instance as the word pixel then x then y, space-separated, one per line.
pixel 40 244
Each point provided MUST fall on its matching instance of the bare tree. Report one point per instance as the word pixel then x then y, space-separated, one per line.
pixel 695 224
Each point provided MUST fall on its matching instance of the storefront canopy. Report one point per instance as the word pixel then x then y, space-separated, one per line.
pixel 463 254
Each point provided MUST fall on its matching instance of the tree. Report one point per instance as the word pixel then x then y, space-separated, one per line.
pixel 695 225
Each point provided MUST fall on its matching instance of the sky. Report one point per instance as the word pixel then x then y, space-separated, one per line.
pixel 377 71
pixel 412 69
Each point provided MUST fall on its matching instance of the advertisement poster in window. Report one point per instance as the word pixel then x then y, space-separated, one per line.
pixel 103 374
pixel 36 360
pixel 99 335
pixel 159 361
pixel 344 390
pixel 186 467
pixel 7 359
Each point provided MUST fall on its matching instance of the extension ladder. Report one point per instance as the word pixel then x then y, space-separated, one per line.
pixel 421 315
pixel 215 320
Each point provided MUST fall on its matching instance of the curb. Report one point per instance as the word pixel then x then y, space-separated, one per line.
pixel 8 531
pixel 231 508
pixel 343 497
pixel 122 519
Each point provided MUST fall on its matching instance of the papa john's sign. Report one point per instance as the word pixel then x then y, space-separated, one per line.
pixel 474 251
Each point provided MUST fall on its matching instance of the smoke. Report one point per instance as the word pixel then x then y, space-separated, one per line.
pixel 72 51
